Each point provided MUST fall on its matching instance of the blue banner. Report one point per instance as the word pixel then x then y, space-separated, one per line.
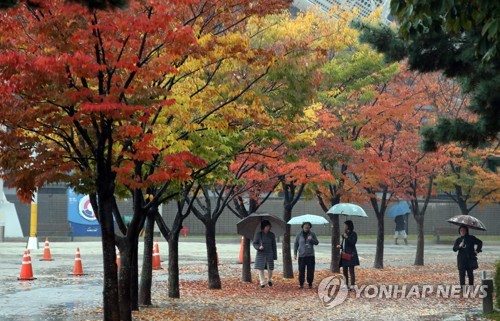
pixel 81 215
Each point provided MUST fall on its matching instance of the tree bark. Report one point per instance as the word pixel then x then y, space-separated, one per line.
pixel 173 265
pixel 246 274
pixel 379 254
pixel 462 204
pixel 147 263
pixel 335 257
pixel 134 272
pixel 461 200
pixel 124 281
pixel 111 308
pixel 287 253
pixel 213 266
pixel 419 257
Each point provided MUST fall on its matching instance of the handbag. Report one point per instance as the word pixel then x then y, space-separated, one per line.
pixel 346 256
pixel 473 263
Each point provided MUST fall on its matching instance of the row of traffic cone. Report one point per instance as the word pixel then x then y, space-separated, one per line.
pixel 156 257
pixel 27 269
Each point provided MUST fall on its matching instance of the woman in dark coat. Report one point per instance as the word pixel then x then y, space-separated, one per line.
pixel 467 246
pixel 265 244
pixel 349 239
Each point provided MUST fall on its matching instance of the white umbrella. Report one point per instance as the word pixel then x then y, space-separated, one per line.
pixel 347 209
pixel 311 218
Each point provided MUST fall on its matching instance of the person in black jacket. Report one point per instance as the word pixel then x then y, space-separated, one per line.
pixel 349 239
pixel 467 246
pixel 265 244
pixel 400 229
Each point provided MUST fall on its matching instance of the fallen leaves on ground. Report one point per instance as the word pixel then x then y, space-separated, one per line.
pixel 285 301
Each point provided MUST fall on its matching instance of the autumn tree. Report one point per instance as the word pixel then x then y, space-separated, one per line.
pixel 386 129
pixel 460 39
pixel 349 81
pixel 418 169
pixel 466 179
pixel 171 235
pixel 293 169
pixel 85 90
pixel 92 4
pixel 79 79
pixel 254 189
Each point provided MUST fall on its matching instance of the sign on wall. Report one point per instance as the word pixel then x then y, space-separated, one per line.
pixel 81 215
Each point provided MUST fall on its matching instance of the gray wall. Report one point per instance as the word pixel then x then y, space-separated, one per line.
pixel 437 213
pixel 52 208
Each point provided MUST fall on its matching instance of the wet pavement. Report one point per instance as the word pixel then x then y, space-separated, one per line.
pixel 56 296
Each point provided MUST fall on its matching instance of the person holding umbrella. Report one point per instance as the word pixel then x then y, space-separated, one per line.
pixel 467 246
pixel 399 212
pixel 400 229
pixel 304 245
pixel 265 244
pixel 349 257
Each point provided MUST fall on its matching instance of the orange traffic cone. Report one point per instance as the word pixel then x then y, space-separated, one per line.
pixel 46 252
pixel 77 269
pixel 26 268
pixel 158 249
pixel 118 260
pixel 156 257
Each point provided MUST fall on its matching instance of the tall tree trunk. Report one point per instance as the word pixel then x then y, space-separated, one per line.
pixel 462 204
pixel 461 200
pixel 147 263
pixel 134 273
pixel 246 269
pixel 213 267
pixel 287 252
pixel 173 265
pixel 110 287
pixel 124 280
pixel 335 259
pixel 379 254
pixel 246 274
pixel 419 257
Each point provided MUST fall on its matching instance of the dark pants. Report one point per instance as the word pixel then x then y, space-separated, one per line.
pixel 470 275
pixel 308 262
pixel 351 272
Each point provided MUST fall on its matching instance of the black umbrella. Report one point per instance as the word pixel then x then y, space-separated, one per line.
pixel 469 221
pixel 251 224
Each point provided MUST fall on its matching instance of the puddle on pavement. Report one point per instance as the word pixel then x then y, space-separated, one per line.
pixel 33 303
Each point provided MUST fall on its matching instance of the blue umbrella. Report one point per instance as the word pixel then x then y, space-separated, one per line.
pixel 400 208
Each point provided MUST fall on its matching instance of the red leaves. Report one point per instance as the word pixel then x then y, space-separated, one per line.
pixel 285 301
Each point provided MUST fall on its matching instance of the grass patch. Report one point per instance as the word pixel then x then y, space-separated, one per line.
pixel 495 315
